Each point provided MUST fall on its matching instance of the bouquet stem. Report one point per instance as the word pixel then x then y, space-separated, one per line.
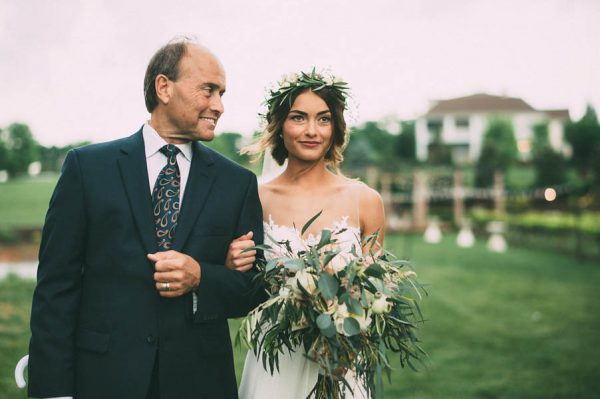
pixel 326 388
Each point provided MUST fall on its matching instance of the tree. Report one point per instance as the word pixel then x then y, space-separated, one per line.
pixel 371 145
pixel 498 151
pixel 359 154
pixel 406 142
pixel 540 138
pixel 584 138
pixel 21 149
pixel 3 150
pixel 53 157
pixel 229 144
pixel 550 166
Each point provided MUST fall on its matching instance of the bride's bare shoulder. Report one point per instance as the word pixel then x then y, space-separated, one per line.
pixel 367 195
pixel 271 190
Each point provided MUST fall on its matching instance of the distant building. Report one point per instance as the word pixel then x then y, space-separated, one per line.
pixel 460 123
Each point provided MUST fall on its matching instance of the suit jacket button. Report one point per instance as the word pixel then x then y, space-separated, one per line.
pixel 151 339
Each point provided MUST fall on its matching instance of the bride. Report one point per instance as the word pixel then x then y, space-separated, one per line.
pixel 306 127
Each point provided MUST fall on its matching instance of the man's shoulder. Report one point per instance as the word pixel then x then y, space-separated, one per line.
pixel 107 146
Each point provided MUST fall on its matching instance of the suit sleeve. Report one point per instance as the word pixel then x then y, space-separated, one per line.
pixel 57 294
pixel 225 293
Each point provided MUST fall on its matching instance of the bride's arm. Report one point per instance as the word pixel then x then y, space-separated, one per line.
pixel 236 258
pixel 372 216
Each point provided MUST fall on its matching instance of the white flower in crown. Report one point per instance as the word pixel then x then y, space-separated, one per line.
pixel 288 80
pixel 331 80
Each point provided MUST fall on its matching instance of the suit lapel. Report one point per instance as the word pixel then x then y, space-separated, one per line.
pixel 197 189
pixel 134 174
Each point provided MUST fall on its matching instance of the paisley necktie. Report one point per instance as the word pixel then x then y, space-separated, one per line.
pixel 165 199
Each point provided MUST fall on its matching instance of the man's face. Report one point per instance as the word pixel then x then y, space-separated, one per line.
pixel 195 104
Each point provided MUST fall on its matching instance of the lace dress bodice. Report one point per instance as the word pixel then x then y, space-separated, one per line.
pixel 346 236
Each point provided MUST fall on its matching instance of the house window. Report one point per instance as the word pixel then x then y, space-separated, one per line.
pixel 461 122
pixel 434 126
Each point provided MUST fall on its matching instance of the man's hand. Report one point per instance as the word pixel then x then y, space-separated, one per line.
pixel 238 260
pixel 176 273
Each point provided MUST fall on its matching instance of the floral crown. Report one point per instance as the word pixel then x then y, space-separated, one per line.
pixel 315 81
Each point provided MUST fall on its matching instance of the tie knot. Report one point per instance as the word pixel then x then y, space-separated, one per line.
pixel 170 151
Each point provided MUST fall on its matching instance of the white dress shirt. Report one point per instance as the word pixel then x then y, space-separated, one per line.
pixel 156 160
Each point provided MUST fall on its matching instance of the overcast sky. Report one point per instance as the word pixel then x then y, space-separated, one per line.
pixel 73 70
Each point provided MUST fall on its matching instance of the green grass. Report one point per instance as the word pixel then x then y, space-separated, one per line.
pixel 524 324
pixel 15 308
pixel 24 201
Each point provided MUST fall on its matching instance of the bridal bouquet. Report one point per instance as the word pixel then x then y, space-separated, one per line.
pixel 346 313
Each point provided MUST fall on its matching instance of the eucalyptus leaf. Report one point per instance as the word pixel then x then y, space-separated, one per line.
pixel 294 264
pixel 330 331
pixel 351 326
pixel 377 284
pixel 262 247
pixel 329 256
pixel 272 264
pixel 344 297
pixel 375 270
pixel 325 238
pixel 312 219
pixel 364 299
pixel 324 321
pixel 354 307
pixel 328 285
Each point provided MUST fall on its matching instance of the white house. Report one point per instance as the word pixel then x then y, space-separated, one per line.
pixel 461 123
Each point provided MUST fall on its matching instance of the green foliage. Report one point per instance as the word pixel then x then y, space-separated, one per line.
pixel 550 167
pixel 359 153
pixel 229 144
pixel 584 138
pixel 588 222
pixel 4 153
pixel 371 145
pixel 498 151
pixel 18 149
pixel 540 138
pixel 15 307
pixel 406 144
pixel 439 154
pixel 53 157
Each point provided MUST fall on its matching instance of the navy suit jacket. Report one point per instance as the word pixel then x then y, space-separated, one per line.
pixel 97 320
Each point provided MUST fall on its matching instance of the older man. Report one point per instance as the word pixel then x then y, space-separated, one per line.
pixel 133 297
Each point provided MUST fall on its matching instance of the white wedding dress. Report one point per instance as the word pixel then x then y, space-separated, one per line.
pixel 297 374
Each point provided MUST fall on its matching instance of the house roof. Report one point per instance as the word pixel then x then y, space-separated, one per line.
pixel 479 103
pixel 557 113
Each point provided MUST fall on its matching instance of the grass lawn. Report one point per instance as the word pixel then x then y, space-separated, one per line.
pixel 24 201
pixel 524 324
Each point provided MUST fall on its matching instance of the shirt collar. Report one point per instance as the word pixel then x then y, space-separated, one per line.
pixel 153 143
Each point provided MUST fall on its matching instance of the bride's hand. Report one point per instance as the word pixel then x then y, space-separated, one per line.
pixel 238 260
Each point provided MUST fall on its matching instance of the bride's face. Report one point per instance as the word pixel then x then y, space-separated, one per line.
pixel 308 128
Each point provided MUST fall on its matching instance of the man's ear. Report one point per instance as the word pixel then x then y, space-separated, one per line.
pixel 164 88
